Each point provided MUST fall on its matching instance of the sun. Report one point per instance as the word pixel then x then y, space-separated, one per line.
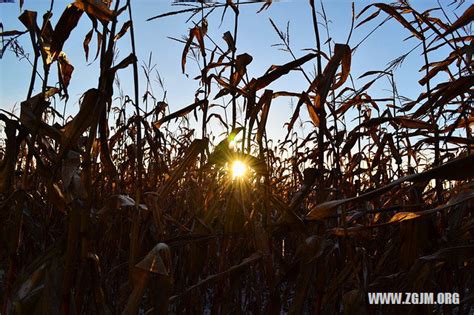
pixel 238 169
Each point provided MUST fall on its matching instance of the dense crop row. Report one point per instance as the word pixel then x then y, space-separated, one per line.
pixel 145 219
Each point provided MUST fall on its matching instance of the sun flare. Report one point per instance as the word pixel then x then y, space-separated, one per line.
pixel 238 169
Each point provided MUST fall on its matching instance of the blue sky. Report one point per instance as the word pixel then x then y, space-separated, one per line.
pixel 256 37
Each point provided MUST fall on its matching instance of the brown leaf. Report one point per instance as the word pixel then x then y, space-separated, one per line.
pixel 123 30
pixel 88 114
pixel 466 18
pixel 351 141
pixel 369 18
pixel 196 148
pixel 357 100
pixel 326 209
pixel 99 43
pixel 455 140
pixel 458 169
pixel 390 10
pixel 65 69
pixel 87 40
pixel 372 73
pixel 345 63
pixel 322 84
pixel 303 99
pixel 28 18
pixel 157 261
pixel 265 6
pixel 276 72
pixel 445 94
pixel 395 152
pixel 267 100
pixel 31 115
pixel 67 22
pixel 180 113
pixel 47 29
pixel 313 114
pixel 130 59
pixel 404 122
pixel 96 8
pixel 195 32
pixel 11 33
pixel 229 40
pixel 442 65
pixel 241 63
pixel 402 216
pixel 227 87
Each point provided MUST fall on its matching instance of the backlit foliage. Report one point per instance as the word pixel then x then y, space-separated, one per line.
pixel 144 219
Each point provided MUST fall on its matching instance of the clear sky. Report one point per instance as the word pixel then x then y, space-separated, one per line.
pixel 256 37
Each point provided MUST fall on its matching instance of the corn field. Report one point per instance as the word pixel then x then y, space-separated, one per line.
pixel 127 207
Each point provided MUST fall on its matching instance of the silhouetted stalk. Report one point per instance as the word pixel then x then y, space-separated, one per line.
pixel 71 255
pixel 244 124
pixel 440 35
pixel 439 187
pixel 35 65
pixel 392 83
pixel 332 107
pixel 33 75
pixel 461 56
pixel 316 33
pixel 321 110
pixel 205 106
pixel 232 68
pixel 45 80
pixel 139 154
pixel 46 66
